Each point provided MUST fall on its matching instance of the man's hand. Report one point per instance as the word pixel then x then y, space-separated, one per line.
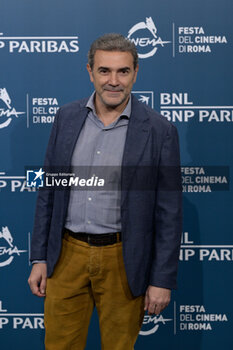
pixel 156 299
pixel 37 279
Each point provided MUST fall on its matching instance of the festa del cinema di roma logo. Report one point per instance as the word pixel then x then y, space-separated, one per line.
pixel 7 249
pixel 147 44
pixel 151 324
pixel 6 110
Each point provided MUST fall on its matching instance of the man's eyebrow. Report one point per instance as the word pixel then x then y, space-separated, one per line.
pixel 119 69
pixel 101 67
pixel 124 68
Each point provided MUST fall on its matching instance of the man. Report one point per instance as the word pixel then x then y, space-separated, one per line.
pixel 116 250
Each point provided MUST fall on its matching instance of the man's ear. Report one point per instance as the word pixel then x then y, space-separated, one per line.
pixel 90 72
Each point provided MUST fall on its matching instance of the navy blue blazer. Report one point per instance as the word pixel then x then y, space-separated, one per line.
pixel 151 216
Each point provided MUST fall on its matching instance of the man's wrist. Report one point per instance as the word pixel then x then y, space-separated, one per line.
pixel 39 262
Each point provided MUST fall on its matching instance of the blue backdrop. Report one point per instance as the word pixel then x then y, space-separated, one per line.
pixel 185 73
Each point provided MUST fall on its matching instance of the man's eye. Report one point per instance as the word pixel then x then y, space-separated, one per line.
pixel 124 71
pixel 103 71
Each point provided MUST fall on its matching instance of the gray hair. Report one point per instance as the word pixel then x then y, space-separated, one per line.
pixel 112 42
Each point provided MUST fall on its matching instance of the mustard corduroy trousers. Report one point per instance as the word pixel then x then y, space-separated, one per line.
pixel 87 276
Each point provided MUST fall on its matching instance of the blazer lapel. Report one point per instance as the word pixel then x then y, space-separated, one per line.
pixel 72 133
pixel 136 139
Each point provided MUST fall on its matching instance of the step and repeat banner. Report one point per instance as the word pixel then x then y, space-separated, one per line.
pixel 185 50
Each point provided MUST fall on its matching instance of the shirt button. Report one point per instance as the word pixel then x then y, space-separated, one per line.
pixel 88 221
pixel 98 152
pixel 89 198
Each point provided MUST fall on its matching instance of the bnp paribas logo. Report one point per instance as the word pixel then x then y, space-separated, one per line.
pixel 145 37
pixel 39 44
pixel 7 111
pixel 146 97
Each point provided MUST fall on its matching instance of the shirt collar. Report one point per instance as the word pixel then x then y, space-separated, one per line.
pixel 126 112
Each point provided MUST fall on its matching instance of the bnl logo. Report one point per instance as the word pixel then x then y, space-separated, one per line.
pixel 35 178
pixel 146 97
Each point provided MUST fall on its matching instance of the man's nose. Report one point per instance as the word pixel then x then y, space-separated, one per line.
pixel 113 80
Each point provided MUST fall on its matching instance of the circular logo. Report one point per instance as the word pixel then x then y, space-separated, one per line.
pixel 6 110
pixel 151 324
pixel 144 36
pixel 7 248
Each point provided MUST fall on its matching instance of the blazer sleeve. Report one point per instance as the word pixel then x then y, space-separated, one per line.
pixel 168 214
pixel 44 204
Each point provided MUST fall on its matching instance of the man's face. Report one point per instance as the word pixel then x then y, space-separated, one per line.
pixel 113 76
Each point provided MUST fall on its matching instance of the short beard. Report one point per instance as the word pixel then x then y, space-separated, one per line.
pixel 113 105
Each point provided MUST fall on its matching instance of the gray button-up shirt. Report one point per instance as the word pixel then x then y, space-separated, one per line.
pixel 98 146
